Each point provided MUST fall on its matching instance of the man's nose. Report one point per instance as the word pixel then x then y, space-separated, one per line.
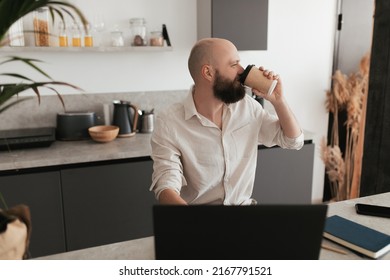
pixel 240 69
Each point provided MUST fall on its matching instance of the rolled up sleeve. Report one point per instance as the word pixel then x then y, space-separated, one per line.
pixel 292 143
pixel 271 133
pixel 167 166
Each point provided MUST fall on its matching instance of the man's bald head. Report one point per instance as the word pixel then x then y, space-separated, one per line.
pixel 205 51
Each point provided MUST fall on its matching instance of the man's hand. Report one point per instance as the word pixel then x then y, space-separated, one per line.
pixel 277 94
pixel 287 119
pixel 170 197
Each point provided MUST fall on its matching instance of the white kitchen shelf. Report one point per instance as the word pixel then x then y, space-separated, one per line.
pixel 85 49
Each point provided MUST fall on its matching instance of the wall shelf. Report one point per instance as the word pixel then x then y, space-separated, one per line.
pixel 102 49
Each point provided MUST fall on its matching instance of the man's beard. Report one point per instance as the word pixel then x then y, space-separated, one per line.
pixel 227 91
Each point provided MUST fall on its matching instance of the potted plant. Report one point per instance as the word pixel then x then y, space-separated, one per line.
pixel 15 223
pixel 10 12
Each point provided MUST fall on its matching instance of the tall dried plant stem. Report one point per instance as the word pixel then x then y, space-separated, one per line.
pixel 350 155
pixel 334 139
pixel 350 94
pixel 335 168
pixel 358 160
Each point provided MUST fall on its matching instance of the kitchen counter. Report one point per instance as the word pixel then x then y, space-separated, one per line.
pixel 62 153
pixel 76 152
pixel 143 249
pixel 116 176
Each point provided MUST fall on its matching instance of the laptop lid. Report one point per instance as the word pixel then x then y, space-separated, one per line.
pixel 210 232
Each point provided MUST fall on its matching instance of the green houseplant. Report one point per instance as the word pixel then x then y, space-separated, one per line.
pixel 10 12
pixel 15 224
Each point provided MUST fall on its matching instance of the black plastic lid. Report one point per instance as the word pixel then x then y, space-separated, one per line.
pixel 245 73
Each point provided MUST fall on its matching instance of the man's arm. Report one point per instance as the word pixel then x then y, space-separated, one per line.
pixel 288 122
pixel 166 156
pixel 169 196
pixel 287 119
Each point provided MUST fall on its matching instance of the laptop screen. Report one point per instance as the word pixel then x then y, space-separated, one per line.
pixel 263 232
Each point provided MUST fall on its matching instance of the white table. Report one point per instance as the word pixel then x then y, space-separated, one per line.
pixel 346 209
pixel 143 249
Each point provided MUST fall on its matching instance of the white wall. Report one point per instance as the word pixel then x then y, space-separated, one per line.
pixel 300 48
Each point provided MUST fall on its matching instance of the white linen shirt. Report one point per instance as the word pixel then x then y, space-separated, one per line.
pixel 207 165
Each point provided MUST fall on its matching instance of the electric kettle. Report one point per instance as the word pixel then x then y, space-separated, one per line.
pixel 125 117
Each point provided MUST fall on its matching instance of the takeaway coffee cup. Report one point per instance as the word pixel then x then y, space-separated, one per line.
pixel 254 78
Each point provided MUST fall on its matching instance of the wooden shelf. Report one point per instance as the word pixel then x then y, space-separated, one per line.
pixel 86 49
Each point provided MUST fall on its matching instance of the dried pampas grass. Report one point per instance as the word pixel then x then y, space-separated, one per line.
pixel 335 168
pixel 348 94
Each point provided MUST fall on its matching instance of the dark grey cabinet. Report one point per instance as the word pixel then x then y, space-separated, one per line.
pixel 42 193
pixel 108 203
pixel 244 22
pixel 84 206
pixel 74 208
pixel 284 176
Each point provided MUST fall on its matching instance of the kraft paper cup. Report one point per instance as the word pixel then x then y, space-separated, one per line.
pixel 254 78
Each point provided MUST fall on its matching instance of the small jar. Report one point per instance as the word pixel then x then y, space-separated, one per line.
pixel 117 39
pixel 15 34
pixel 156 38
pixel 88 38
pixel 138 32
pixel 62 35
pixel 76 35
pixel 41 27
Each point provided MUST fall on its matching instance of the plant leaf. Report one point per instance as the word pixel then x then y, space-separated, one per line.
pixel 16 76
pixel 59 96
pixel 12 10
pixel 9 90
pixel 29 62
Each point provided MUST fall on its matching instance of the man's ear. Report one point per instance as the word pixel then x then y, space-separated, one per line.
pixel 207 72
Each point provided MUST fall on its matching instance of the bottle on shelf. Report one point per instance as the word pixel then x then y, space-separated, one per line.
pixel 117 37
pixel 41 27
pixel 16 35
pixel 76 35
pixel 88 38
pixel 62 35
pixel 156 38
pixel 99 26
pixel 138 32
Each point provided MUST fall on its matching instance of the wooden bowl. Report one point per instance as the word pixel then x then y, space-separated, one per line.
pixel 103 133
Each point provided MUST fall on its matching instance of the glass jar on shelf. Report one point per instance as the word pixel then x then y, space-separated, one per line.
pixel 15 34
pixel 88 38
pixel 62 35
pixel 156 38
pixel 41 27
pixel 76 35
pixel 117 38
pixel 138 32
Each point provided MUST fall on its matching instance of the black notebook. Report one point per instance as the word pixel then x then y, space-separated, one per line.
pixel 357 237
pixel 263 232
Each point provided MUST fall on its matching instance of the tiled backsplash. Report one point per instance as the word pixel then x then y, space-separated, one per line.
pixel 30 113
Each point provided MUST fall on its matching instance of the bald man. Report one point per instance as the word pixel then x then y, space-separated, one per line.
pixel 205 148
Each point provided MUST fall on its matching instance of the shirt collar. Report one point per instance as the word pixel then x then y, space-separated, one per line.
pixel 189 106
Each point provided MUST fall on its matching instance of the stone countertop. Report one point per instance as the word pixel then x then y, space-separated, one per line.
pixel 76 152
pixel 62 153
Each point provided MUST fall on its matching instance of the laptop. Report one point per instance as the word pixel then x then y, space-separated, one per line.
pixel 258 232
